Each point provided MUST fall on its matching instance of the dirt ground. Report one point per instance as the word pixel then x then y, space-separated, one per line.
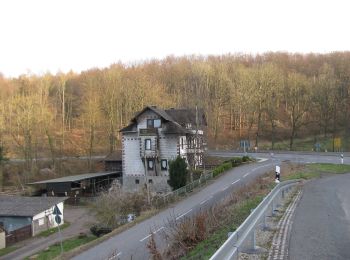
pixel 80 219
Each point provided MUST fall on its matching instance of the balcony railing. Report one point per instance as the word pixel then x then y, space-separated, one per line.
pixel 148 131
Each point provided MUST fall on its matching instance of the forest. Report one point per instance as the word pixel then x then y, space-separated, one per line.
pixel 265 98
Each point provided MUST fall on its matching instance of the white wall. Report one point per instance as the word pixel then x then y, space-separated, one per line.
pixel 132 163
pixel 2 239
pixel 49 215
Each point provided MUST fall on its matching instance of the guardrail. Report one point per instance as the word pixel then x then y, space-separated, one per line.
pixel 243 239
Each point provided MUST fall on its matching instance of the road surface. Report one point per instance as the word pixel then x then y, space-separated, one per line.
pixel 321 226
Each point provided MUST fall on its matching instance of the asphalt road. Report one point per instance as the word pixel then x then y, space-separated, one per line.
pixel 321 226
pixel 131 244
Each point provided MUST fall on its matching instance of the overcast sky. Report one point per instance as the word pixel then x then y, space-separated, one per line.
pixel 37 36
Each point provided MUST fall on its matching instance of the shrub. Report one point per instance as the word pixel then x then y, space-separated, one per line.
pixel 236 161
pixel 221 168
pixel 245 158
pixel 177 173
pixel 99 229
pixel 197 173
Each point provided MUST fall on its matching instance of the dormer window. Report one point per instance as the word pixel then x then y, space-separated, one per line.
pixel 188 125
pixel 154 123
pixel 157 123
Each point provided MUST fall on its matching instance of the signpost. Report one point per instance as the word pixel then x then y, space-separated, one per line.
pixel 58 220
pixel 244 144
pixel 278 173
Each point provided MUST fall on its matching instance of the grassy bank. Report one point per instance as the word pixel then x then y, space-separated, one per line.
pixel 206 248
pixel 51 231
pixel 7 250
pixel 55 250
pixel 316 170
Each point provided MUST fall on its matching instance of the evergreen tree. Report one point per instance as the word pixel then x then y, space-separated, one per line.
pixel 177 173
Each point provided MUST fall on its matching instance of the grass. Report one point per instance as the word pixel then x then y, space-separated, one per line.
pixel 51 231
pixel 315 170
pixel 55 250
pixel 7 250
pixel 305 144
pixel 329 167
pixel 206 248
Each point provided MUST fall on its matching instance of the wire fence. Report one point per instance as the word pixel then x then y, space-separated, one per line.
pixel 160 201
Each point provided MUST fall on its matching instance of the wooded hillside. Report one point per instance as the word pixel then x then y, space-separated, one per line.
pixel 268 97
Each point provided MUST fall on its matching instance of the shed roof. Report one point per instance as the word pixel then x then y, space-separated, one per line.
pixel 74 178
pixel 18 206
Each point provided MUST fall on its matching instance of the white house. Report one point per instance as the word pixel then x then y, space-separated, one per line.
pixel 153 138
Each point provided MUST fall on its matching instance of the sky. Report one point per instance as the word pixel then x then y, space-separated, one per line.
pixel 40 36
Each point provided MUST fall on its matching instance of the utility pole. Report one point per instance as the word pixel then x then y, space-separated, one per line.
pixel 146 177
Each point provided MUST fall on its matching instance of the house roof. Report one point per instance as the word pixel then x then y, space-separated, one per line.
pixel 114 156
pixel 184 116
pixel 178 118
pixel 26 206
pixel 75 178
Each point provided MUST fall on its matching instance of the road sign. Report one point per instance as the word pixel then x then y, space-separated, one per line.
pixel 57 213
pixel 278 169
pixel 337 143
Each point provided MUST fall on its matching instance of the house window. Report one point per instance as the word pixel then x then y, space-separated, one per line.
pixel 147 144
pixel 150 181
pixel 149 123
pixel 137 181
pixel 154 123
pixel 150 164
pixel 182 143
pixel 164 164
pixel 157 123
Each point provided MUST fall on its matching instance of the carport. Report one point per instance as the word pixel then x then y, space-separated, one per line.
pixel 82 185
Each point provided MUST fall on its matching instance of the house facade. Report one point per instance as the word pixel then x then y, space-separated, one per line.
pixel 153 138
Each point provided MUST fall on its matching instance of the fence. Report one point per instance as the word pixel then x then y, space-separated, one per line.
pixel 243 238
pixel 18 235
pixel 160 201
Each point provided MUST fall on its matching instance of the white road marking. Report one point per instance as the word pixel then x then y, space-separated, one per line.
pixel 245 175
pixel 159 229
pixel 183 214
pixel 262 160
pixel 145 238
pixel 225 188
pixel 235 181
pixel 204 201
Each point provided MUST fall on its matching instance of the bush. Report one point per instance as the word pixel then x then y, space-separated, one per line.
pixel 236 161
pixel 197 173
pixel 221 168
pixel 245 158
pixel 99 229
pixel 177 173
